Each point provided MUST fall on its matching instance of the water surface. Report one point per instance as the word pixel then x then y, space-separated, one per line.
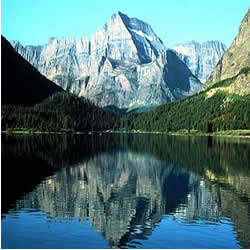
pixel 125 191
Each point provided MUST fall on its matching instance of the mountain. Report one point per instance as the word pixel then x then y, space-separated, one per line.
pixel 201 58
pixel 36 103
pixel 124 65
pixel 21 83
pixel 224 105
pixel 233 68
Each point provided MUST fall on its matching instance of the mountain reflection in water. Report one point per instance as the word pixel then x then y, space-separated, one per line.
pixel 126 184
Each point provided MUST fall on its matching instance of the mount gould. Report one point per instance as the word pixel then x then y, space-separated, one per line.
pixel 124 64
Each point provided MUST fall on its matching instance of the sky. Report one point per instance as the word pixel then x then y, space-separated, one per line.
pixel 32 22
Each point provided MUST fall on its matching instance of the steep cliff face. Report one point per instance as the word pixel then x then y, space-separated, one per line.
pixel 235 63
pixel 201 58
pixel 124 64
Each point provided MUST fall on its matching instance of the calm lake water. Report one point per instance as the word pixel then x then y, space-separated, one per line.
pixel 125 191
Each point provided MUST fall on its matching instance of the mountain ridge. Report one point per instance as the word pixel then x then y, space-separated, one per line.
pixel 123 64
pixel 234 67
pixel 201 58
pixel 223 105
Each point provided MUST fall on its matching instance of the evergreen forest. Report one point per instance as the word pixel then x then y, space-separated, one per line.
pixel 61 112
pixel 64 112
pixel 220 112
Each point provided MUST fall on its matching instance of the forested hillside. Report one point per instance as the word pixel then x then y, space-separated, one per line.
pixel 224 105
pixel 61 112
pixel 67 112
pixel 222 111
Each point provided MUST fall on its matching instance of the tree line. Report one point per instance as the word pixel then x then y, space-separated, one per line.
pixel 67 112
pixel 220 112
pixel 60 112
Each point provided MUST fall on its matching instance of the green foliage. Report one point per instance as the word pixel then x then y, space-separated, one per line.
pixel 245 70
pixel 227 82
pixel 230 54
pixel 224 83
pixel 60 112
pixel 65 112
pixel 217 113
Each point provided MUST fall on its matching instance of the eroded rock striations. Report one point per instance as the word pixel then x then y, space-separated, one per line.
pixel 201 58
pixel 234 66
pixel 124 64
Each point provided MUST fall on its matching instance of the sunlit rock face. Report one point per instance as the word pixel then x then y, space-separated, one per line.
pixel 201 58
pixel 123 64
pixel 235 63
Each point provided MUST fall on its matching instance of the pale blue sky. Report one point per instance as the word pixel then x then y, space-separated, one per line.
pixel 174 21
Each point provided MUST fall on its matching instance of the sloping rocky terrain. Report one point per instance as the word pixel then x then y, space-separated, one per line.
pixel 233 68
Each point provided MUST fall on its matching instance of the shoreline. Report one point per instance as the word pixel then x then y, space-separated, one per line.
pixel 215 134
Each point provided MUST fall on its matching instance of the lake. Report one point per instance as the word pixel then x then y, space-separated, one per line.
pixel 125 191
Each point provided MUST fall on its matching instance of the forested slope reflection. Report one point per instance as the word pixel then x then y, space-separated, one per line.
pixel 27 160
pixel 125 185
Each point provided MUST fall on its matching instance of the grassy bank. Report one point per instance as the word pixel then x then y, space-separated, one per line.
pixel 243 132
pixel 185 132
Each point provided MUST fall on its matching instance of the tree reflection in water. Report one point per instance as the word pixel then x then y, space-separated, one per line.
pixel 125 184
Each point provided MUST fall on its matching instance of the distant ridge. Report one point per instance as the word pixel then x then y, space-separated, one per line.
pixel 201 58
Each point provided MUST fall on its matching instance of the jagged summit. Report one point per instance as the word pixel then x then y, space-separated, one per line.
pixel 201 58
pixel 133 23
pixel 200 44
pixel 137 41
pixel 124 64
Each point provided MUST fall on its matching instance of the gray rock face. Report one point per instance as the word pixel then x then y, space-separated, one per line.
pixel 201 58
pixel 124 64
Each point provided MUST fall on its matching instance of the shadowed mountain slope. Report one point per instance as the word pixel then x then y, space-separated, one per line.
pixel 21 83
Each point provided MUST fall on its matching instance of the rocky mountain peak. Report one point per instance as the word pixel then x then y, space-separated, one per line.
pixel 135 24
pixel 124 64
pixel 201 58
pixel 132 24
pixel 127 39
pixel 244 31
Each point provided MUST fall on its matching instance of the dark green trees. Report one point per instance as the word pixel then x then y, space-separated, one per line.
pixel 60 112
pixel 219 112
